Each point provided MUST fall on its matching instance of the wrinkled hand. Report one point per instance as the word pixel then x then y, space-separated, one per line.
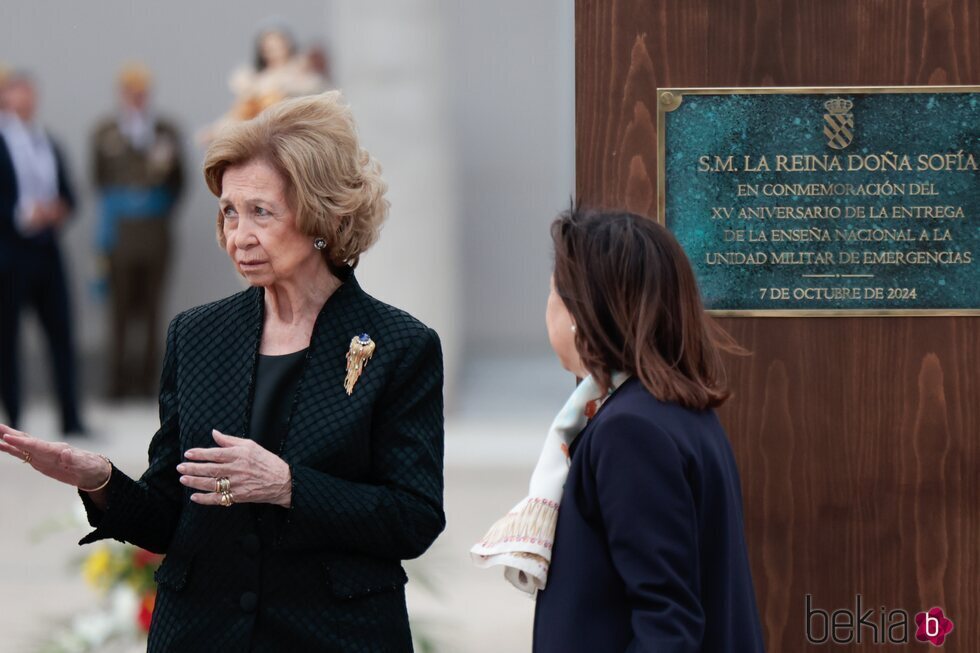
pixel 256 474
pixel 57 460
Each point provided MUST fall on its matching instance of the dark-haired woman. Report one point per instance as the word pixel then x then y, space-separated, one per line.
pixel 648 550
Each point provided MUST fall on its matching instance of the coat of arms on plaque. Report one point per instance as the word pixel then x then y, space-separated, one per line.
pixel 838 123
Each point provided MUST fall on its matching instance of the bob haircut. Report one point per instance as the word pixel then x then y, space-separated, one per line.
pixel 332 185
pixel 632 294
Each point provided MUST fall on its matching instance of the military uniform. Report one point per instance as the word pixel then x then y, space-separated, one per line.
pixel 139 179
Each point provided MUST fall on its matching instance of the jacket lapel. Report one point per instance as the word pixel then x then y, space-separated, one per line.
pixel 322 411
pixel 218 372
pixel 251 341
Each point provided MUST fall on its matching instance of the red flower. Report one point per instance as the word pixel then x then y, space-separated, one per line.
pixel 933 626
pixel 143 558
pixel 146 611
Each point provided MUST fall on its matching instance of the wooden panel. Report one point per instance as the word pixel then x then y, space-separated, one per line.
pixel 858 439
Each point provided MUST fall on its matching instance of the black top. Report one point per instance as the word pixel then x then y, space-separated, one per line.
pixel 276 378
pixel 649 550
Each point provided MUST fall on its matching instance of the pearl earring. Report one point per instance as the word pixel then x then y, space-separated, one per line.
pixel 573 328
pixel 320 243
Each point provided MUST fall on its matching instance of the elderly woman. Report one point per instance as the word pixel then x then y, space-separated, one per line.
pixel 299 456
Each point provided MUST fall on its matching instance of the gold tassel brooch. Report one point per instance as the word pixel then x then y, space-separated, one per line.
pixel 360 352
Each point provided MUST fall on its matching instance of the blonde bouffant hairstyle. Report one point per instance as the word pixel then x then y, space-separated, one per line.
pixel 332 184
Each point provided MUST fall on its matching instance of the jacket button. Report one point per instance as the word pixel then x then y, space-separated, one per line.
pixel 250 544
pixel 249 601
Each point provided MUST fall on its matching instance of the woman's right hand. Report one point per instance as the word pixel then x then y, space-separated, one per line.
pixel 60 461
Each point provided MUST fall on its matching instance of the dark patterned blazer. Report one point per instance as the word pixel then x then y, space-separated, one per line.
pixel 324 574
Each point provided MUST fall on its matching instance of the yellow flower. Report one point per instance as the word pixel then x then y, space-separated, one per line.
pixel 97 568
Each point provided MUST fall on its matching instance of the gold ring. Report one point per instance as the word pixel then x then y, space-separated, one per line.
pixel 227 498
pixel 27 457
pixel 223 484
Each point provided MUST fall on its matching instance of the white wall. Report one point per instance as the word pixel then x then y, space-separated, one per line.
pixel 513 92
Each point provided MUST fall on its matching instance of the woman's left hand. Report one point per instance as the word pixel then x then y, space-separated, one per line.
pixel 256 475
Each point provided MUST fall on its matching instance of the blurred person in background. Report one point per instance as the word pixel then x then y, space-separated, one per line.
pixel 36 200
pixel 138 171
pixel 279 71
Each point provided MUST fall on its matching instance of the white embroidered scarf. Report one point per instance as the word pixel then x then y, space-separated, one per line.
pixel 521 541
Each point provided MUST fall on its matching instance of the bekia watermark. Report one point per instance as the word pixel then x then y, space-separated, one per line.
pixel 882 626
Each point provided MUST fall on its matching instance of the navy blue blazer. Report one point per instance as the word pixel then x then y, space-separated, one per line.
pixel 649 551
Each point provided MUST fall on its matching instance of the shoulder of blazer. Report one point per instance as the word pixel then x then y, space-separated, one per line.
pixel 631 414
pixel 632 398
pixel 403 341
pixel 399 326
pixel 236 309
pixel 401 330
pixel 633 407
pixel 633 404
pixel 629 398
